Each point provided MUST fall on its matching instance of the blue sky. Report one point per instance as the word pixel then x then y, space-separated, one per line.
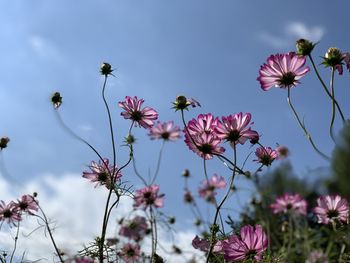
pixel 209 50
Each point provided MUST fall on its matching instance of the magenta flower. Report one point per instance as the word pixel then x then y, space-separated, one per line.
pixel 265 155
pixel 148 196
pixel 251 244
pixel 282 70
pixel 27 204
pixel 134 229
pixel 236 129
pixel 130 253
pixel 102 173
pixel 142 117
pixel 207 190
pixel 332 208
pixel 289 203
pixel 347 60
pixel 10 213
pixel 205 123
pixel 166 131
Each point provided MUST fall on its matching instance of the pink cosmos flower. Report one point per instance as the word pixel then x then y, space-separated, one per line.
pixel 289 203
pixel 148 196
pixel 332 208
pixel 27 204
pixel 10 213
pixel 84 260
pixel 317 256
pixel 130 253
pixel 282 70
pixel 204 245
pixel 265 155
pixel 166 131
pixel 134 229
pixel 205 123
pixel 102 173
pixel 236 128
pixel 207 190
pixel 347 60
pixel 142 117
pixel 283 152
pixel 251 244
pixel 205 144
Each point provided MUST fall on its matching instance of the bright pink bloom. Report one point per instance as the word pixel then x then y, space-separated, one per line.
pixel 205 144
pixel 282 70
pixel 27 204
pixel 332 208
pixel 236 128
pixel 130 253
pixel 207 190
pixel 148 196
pixel 205 123
pixel 265 155
pixel 166 131
pixel 251 244
pixel 134 229
pixel 102 173
pixel 289 203
pixel 10 213
pixel 142 117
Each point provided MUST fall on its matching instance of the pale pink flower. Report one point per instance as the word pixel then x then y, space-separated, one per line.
pixel 130 253
pixel 84 260
pixel 317 256
pixel 347 60
pixel 236 128
pixel 282 70
pixel 140 116
pixel 27 204
pixel 205 123
pixel 251 244
pixel 266 155
pixel 148 196
pixel 332 208
pixel 166 131
pixel 205 145
pixel 102 173
pixel 204 245
pixel 9 213
pixel 207 190
pixel 289 203
pixel 134 229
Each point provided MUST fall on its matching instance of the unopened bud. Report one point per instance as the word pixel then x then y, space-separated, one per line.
pixel 56 100
pixel 333 57
pixel 106 69
pixel 172 220
pixel 3 142
pixel 186 173
pixel 130 139
pixel 304 47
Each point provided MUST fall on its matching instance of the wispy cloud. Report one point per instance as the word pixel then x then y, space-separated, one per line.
pixel 76 207
pixel 291 32
pixel 44 47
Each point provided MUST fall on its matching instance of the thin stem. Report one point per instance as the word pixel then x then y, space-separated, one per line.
pixel 158 162
pixel 302 126
pixel 331 132
pixel 15 246
pixel 326 89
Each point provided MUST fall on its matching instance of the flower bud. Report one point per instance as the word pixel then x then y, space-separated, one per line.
pixel 56 100
pixel 106 69
pixel 188 197
pixel 177 250
pixel 197 222
pixel 3 142
pixel 130 139
pixel 186 173
pixel 304 47
pixel 333 57
pixel 172 220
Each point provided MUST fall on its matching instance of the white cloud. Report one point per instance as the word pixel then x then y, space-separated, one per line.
pixel 76 208
pixel 292 32
pixel 44 48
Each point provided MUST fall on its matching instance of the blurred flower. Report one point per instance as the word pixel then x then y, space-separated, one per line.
pixel 3 142
pixel 148 196
pixel 204 245
pixel 106 69
pixel 236 129
pixel 130 253
pixel 83 260
pixel 317 256
pixel 282 70
pixel 182 103
pixel 207 190
pixel 166 131
pixel 134 229
pixel 304 47
pixel 27 204
pixel 142 117
pixel 9 212
pixel 282 151
pixel 289 203
pixel 265 155
pixel 251 244
pixel 188 198
pixel 102 173
pixel 332 208
pixel 56 100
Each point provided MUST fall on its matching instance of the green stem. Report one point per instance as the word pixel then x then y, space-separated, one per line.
pixel 326 89
pixel 331 132
pixel 15 246
pixel 302 126
pixel 158 163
